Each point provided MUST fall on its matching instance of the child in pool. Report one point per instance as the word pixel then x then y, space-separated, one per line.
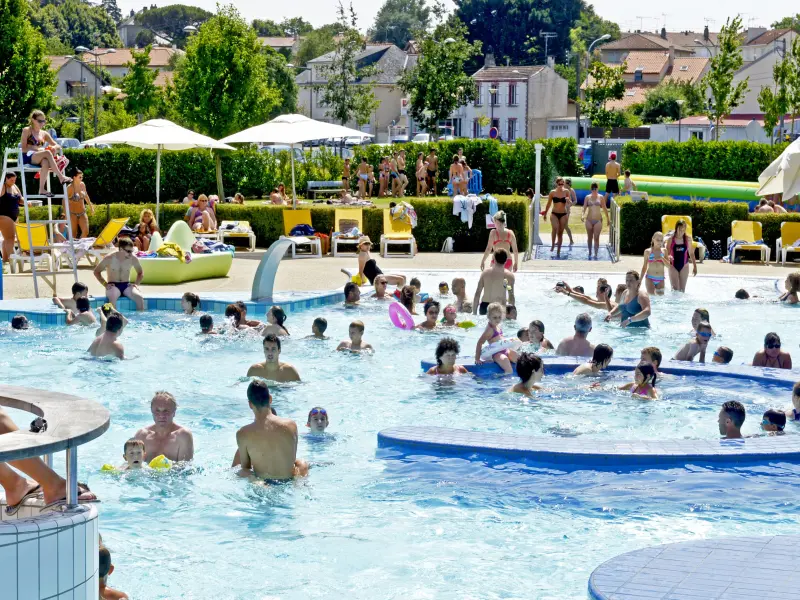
pixel 495 313
pixel 536 332
pixel 207 325
pixel 234 313
pixel 245 321
pixel 275 320
pixel 356 342
pixel 450 313
pixel 653 267
pixel 699 345
pixel 793 414
pixel 106 569
pixel 79 290
pixel 700 314
pixel 416 285
pixel 530 369
pixel 317 420
pixel 722 355
pixel 318 328
pixel 107 344
pixel 511 312
pixel 773 421
pixel 103 313
pixel 644 381
pixel 84 316
pixel 444 288
pixel 134 454
pixel 19 322
pixel 524 335
pixel 446 354
pixel 459 287
pixel 190 303
pixel 601 357
pixel 431 316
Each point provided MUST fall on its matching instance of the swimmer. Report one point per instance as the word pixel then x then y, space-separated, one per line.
pixel 459 287
pixel 524 335
pixel 444 288
pixel 165 436
pixel 700 314
pixel 380 284
pixel 793 413
pixel 723 355
pixel 84 316
pixel 355 343
pixel 530 369
pixel 431 316
pixel 602 299
pixel 352 295
pixel 407 299
pixel 317 420
pixel 467 307
pixel 19 322
pixel 276 317
pixel 494 283
pixel 245 321
pixel 792 285
pixel 446 354
pixel 207 325
pixel 536 332
pixel 134 455
pixel 742 294
pixel 416 284
pixel 601 358
pixel 272 368
pixel 699 345
pixel 578 344
pixel 634 309
pixel 79 290
pixel 511 312
pixel 105 568
pixel 267 447
pixel 318 328
pixel 731 418
pixel 772 355
pixel 234 314
pixel 103 313
pixel 190 303
pixel 773 421
pixel 644 381
pixel 651 355
pixel 495 314
pixel 107 343
pixel 450 316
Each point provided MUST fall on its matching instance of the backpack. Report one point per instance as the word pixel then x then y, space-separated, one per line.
pixel 447 247
pixel 716 250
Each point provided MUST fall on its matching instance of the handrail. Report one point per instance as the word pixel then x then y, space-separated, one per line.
pixel 614 231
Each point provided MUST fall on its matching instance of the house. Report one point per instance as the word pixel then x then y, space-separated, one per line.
pixel 391 63
pixel 614 53
pixel 115 60
pixel 759 72
pixel 759 41
pixel 128 30
pixel 285 45
pixel 75 79
pixel 733 128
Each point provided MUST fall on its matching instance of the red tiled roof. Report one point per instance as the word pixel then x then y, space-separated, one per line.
pixel 159 57
pixel 634 94
pixel 56 62
pixel 163 78
pixel 636 41
pixel 648 62
pixel 687 69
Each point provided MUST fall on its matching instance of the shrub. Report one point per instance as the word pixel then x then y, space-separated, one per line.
pixel 771 226
pixel 732 161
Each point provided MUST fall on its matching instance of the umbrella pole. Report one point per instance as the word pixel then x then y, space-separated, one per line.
pixel 294 192
pixel 158 181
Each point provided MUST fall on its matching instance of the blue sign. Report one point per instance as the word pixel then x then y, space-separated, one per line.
pixel 493 133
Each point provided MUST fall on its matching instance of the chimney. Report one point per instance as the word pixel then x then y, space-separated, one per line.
pixel 663 33
pixel 753 32
pixel 706 37
pixel 488 60
pixel 671 56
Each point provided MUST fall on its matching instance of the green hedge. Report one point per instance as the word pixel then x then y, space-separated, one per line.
pixel 436 221
pixel 731 161
pixel 710 221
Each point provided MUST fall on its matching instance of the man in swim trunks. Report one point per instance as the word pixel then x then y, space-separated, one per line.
pixel 494 283
pixel 165 436
pixel 612 175
pixel 578 344
pixel 119 265
pixel 402 178
pixel 433 167
pixel 272 368
pixel 346 174
pixel 363 172
pixel 268 445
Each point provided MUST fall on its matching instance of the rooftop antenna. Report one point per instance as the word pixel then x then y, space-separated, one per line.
pixel 664 17
pixel 709 20
pixel 641 20
pixel 750 21
pixel 547 35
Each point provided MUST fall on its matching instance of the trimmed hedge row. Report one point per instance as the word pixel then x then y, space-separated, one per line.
pixel 732 161
pixel 710 221
pixel 436 221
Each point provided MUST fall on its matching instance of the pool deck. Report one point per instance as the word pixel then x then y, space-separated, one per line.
pixel 727 568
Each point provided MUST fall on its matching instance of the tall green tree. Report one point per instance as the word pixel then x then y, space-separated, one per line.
pixel 347 91
pixel 725 95
pixel 110 6
pixel 794 81
pixel 26 81
pixel 220 85
pixel 76 23
pixel 603 84
pixel 172 19
pixel 589 27
pixel 438 84
pixel 788 23
pixel 267 28
pixel 663 103
pixel 398 19
pixel 138 83
pixel 769 105
pixel 281 78
pixel 296 26
pixel 318 42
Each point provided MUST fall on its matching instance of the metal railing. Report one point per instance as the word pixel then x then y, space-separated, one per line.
pixel 613 231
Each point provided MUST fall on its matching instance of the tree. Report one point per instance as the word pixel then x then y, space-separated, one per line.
pixel 145 37
pixel 76 23
pixel 110 6
pixel 604 83
pixel 568 73
pixel 768 104
pixel 725 96
pixel 172 19
pixel 281 77
pixel 26 81
pixel 347 91
pixel 398 19
pixel 55 47
pixel 662 103
pixel 590 27
pixel 220 84
pixel 267 28
pixel 318 42
pixel 296 26
pixel 438 84
pixel 788 23
pixel 794 81
pixel 138 83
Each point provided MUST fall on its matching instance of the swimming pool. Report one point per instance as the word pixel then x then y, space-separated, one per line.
pixel 380 524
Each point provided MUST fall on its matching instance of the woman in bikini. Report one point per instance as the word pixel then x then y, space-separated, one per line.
pixel 501 238
pixel 147 227
pixel 792 285
pixel 201 217
pixel 653 267
pixel 680 253
pixel 78 199
pixel 39 149
pixel 10 201
pixel 558 199
pixel 592 217
pixel 420 174
pixel 456 174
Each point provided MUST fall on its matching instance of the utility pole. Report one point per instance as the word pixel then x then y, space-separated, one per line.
pixel 547 35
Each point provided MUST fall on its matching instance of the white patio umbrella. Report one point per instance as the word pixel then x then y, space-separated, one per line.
pixel 783 175
pixel 159 134
pixel 292 129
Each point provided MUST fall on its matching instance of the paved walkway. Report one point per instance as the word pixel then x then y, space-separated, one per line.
pixel 323 273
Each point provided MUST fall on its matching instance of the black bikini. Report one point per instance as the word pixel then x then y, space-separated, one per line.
pixel 559 201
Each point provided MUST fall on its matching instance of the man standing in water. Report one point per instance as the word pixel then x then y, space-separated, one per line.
pixel 272 367
pixel 268 445
pixel 494 283
pixel 165 436
pixel 119 265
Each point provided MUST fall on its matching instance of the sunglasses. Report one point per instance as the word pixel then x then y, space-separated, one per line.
pixel 773 346
pixel 41 120
pixel 705 334
pixel 318 411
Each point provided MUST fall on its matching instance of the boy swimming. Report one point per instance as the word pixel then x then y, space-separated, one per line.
pixel 134 455
pixel 207 325
pixel 355 343
pixel 530 369
pixel 107 343
pixel 317 420
pixel 601 358
pixel 84 316
pixel 79 290
pixel 318 328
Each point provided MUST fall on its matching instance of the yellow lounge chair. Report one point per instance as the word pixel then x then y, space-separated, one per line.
pixel 347 214
pixel 94 249
pixel 398 233
pixel 789 240
pixel 243 230
pixel 750 232
pixel 23 252
pixel 291 219
pixel 668 225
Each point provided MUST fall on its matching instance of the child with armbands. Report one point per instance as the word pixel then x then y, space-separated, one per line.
pixel 503 357
pixel 134 454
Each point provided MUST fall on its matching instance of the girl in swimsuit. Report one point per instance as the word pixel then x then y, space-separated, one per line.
pixel 653 266
pixel 501 238
pixel 792 289
pixel 536 331
pixel 465 177
pixel 772 355
pixel 634 308
pixel 367 267
pixel 39 149
pixel 679 254
pixel 558 199
pixel 446 354
pixel 363 177
pixel 10 200
pixel 644 381
pixel 793 414
pixel 495 314
pixel 147 227
pixel 276 317
pixel 431 321
pixel 78 198
pixel 456 174
pixel 592 217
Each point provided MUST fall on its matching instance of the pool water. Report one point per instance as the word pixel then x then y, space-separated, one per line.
pixel 379 524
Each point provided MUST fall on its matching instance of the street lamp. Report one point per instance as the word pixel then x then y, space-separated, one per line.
pixel 680 116
pixel 96 54
pixel 492 94
pixel 602 38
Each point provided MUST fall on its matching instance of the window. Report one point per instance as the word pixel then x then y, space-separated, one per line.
pixel 637 74
pixel 684 67
pixel 494 92
pixel 512 130
pixel 476 129
pixel 512 94
pixel 478 96
pixel 697 134
pixel 630 93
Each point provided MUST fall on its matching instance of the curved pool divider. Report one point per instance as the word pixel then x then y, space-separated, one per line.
pixel 702 569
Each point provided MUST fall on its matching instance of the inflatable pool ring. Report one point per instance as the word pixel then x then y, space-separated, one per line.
pixel 160 463
pixel 505 344
pixel 359 280
pixel 400 316
pixel 466 324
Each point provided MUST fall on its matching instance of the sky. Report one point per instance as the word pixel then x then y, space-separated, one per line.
pixel 629 14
